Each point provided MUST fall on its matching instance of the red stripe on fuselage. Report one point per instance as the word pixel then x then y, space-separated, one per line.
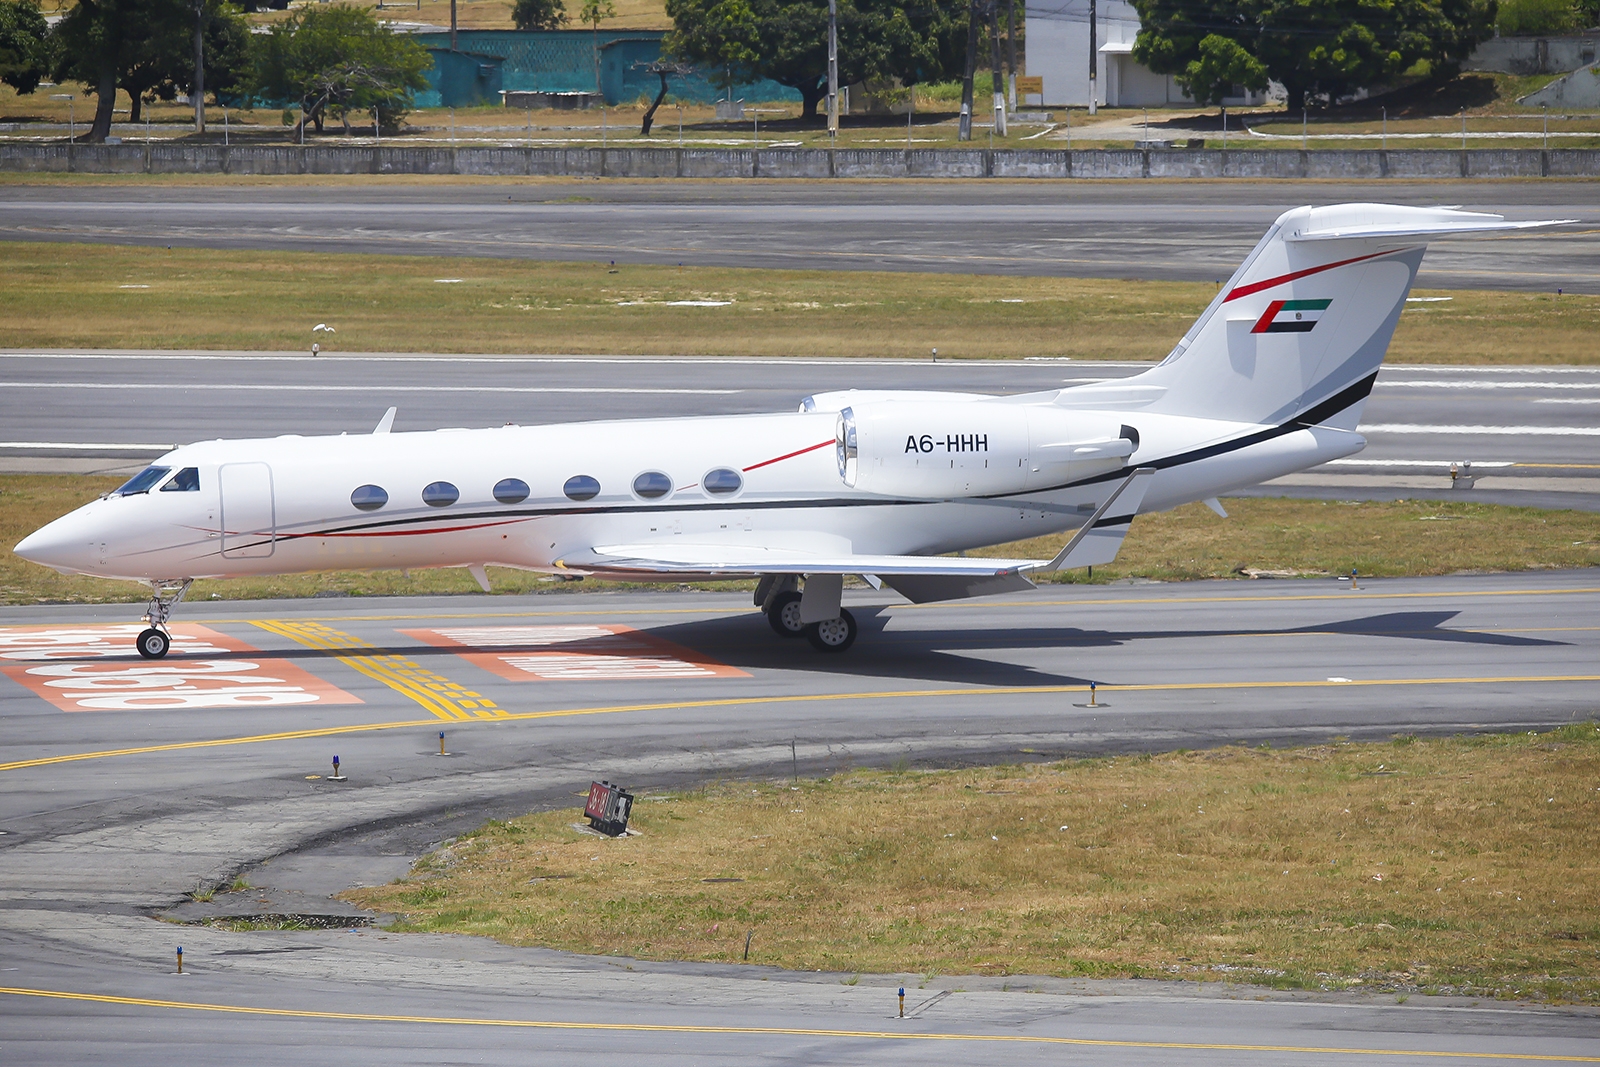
pixel 401 533
pixel 791 455
pixel 1256 287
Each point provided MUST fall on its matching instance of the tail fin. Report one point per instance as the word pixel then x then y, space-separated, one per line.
pixel 1300 329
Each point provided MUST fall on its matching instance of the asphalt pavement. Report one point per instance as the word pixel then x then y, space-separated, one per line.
pixel 124 789
pixel 1529 432
pixel 1188 230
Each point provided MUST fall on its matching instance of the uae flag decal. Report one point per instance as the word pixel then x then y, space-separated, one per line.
pixel 1291 316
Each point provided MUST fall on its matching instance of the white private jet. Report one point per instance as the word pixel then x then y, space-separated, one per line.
pixel 1269 380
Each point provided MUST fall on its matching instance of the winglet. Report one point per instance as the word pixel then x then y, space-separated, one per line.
pixel 1099 539
pixel 386 422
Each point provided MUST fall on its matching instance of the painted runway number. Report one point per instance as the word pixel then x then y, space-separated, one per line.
pixel 605 652
pixel 94 668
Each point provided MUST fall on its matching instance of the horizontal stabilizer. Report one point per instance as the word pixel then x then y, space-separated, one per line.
pixel 1355 222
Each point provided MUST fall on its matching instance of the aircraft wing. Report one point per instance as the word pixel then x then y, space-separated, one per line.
pixel 753 559
pixel 918 578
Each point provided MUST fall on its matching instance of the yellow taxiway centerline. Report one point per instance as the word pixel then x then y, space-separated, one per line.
pixel 444 698
pixel 805 698
pixel 782 1031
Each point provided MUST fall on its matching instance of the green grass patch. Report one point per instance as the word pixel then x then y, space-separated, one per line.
pixel 1462 865
pixel 80 296
pixel 1307 537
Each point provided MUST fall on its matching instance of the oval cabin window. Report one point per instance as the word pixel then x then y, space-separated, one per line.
pixel 440 494
pixel 652 485
pixel 722 481
pixel 369 498
pixel 581 487
pixel 511 490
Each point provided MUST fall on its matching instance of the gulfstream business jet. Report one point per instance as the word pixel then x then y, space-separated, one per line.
pixel 1269 380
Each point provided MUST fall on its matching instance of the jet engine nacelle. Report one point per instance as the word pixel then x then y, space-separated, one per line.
pixel 943 451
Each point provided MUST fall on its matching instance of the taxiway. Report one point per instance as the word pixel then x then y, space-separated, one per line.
pixel 122 790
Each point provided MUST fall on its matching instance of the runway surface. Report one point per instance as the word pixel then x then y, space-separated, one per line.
pixel 1189 230
pixel 1529 431
pixel 124 788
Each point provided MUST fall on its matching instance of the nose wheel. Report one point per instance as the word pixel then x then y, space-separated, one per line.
pixel 155 642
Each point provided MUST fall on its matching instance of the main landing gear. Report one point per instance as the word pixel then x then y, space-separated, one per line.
pixel 155 642
pixel 779 597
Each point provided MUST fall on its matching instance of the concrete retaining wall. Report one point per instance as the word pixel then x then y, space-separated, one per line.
pixel 799 162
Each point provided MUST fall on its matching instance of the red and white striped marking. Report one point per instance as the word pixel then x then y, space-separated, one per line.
pixel 95 668
pixel 582 652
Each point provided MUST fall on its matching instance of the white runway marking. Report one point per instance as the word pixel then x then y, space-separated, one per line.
pixel 1494 431
pixel 1466 383
pixel 226 386
pixel 1440 463
pixel 85 446
pixel 774 361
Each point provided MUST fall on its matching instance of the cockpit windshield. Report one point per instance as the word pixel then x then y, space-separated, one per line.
pixel 144 481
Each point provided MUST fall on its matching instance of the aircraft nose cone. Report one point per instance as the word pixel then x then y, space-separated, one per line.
pixel 54 546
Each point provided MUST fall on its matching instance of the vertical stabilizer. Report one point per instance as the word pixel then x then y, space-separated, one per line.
pixel 1299 331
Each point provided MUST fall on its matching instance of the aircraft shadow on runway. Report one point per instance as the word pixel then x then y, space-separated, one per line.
pixel 955 655
pixel 946 654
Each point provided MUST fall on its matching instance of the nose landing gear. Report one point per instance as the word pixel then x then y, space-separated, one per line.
pixel 155 642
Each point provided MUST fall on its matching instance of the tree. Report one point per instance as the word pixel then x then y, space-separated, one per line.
pixel 1324 48
pixel 99 41
pixel 1538 17
pixel 592 12
pixel 539 14
pixel 166 65
pixel 787 41
pixel 24 51
pixel 336 60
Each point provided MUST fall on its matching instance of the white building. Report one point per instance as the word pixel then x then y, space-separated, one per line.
pixel 1058 51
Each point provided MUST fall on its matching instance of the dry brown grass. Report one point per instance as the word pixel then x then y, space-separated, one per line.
pixel 68 296
pixel 1312 536
pixel 1381 539
pixel 1461 865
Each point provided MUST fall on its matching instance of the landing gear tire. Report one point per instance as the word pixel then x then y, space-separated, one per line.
pixel 153 644
pixel 784 615
pixel 834 635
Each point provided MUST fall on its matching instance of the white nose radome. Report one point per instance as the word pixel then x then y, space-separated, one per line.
pixel 65 544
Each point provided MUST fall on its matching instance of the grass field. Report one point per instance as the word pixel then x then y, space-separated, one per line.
pixel 1310 537
pixel 1451 866
pixel 106 296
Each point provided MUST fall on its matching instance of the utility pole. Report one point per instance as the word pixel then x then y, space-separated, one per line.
pixel 199 91
pixel 452 25
pixel 833 69
pixel 996 75
pixel 1094 62
pixel 964 131
pixel 1011 57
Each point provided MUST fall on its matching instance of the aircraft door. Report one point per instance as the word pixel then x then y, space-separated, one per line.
pixel 249 518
